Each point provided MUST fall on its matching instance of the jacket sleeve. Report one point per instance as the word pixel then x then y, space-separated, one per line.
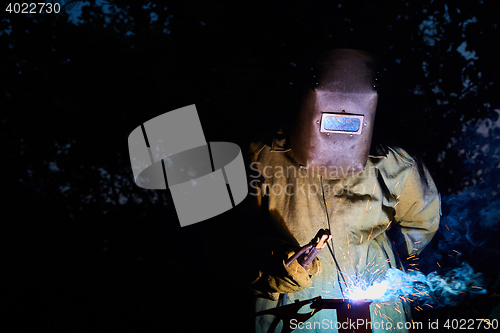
pixel 258 256
pixel 418 208
pixel 265 252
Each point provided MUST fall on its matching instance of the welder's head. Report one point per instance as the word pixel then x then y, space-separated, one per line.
pixel 333 130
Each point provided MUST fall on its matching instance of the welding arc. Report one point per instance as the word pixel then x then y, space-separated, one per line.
pixel 330 248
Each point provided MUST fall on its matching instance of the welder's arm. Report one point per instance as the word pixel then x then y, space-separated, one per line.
pixel 265 253
pixel 261 255
pixel 418 209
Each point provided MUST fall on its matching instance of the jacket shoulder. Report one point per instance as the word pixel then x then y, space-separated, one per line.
pixel 275 140
pixel 393 167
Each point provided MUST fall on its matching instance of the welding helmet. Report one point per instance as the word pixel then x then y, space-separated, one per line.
pixel 332 133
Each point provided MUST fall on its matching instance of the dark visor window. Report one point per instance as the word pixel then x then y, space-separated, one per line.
pixel 341 123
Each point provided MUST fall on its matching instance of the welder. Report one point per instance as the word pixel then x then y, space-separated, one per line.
pixel 323 172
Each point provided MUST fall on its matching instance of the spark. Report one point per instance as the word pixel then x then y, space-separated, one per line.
pixel 371 232
pixel 396 185
pixel 447 227
pixel 486 321
pixel 387 317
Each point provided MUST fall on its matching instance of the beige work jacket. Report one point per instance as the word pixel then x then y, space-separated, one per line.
pixel 394 188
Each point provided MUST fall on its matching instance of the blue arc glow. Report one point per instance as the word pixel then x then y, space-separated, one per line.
pixel 419 288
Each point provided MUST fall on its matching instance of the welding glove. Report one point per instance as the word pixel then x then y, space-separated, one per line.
pixel 279 278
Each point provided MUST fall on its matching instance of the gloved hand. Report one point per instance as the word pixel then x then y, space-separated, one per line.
pixel 280 279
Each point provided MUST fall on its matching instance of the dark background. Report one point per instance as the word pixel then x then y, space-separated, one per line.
pixel 84 249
